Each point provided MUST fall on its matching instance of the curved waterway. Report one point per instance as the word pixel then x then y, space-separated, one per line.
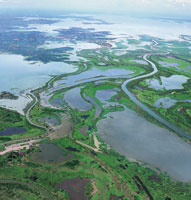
pixel 145 108
pixel 135 137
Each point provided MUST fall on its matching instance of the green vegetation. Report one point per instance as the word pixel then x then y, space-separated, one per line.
pixel 2 148
pixel 133 41
pixel 13 119
pixel 14 190
pixel 177 114
pixel 109 59
pixel 113 175
pixel 39 113
pixel 104 174
pixel 175 65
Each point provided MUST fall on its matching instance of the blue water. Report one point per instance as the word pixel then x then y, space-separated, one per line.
pixel 135 137
pixel 18 73
pixel 11 131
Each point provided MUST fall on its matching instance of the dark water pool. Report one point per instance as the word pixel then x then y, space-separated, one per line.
pixel 12 130
pixel 50 153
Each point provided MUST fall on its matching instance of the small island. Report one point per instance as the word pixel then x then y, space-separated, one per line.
pixel 8 95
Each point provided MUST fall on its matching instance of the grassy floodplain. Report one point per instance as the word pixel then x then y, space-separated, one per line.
pixel 102 174
pixel 14 119
pixel 112 174
pixel 178 113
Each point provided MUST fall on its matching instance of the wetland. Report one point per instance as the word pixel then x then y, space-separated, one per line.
pixel 49 153
pixel 109 108
pixel 147 142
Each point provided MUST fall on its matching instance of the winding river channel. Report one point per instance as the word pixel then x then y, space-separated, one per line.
pixel 124 88
pixel 135 137
pixel 145 108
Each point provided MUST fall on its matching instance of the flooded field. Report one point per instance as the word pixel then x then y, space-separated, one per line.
pixel 147 142
pixel 65 129
pixel 49 153
pixel 50 120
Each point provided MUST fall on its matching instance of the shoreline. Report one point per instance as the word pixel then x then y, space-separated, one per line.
pixel 47 85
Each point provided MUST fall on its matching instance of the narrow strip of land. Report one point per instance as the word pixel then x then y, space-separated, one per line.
pixel 29 110
pixel 143 106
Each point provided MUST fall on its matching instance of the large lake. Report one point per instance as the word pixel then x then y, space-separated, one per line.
pixel 147 142
pixel 19 73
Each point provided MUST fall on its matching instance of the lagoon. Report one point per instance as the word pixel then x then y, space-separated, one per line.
pixel 147 142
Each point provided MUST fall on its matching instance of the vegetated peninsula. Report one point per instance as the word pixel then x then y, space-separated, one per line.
pixel 98 112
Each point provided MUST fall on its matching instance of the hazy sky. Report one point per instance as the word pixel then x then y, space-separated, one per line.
pixel 177 7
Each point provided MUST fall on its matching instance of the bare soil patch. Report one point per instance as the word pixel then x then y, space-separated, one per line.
pixel 74 187
pixel 83 130
pixel 65 129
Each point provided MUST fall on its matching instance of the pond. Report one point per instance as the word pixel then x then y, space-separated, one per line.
pixel 12 130
pixel 147 142
pixel 49 153
pixel 105 95
pixel 120 52
pixel 74 99
pixel 173 82
pixel 167 102
pixel 106 58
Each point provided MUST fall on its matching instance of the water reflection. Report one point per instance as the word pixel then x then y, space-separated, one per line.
pixel 135 137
